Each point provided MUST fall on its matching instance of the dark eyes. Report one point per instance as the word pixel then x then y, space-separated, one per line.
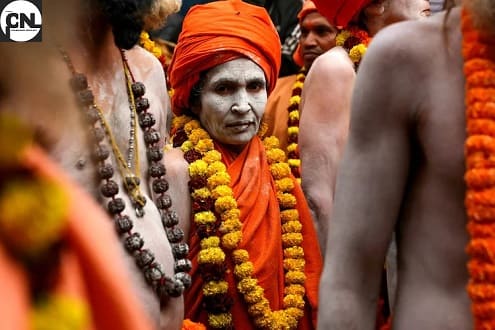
pixel 255 86
pixel 252 87
pixel 223 89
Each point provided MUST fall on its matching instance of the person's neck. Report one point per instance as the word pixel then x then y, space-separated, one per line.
pixel 92 47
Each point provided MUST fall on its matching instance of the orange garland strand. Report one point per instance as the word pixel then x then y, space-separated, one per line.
pixel 479 69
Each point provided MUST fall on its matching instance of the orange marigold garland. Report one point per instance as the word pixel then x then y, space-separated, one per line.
pixel 293 125
pixel 479 68
pixel 217 218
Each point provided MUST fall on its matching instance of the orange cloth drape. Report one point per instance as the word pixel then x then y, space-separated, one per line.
pixel 254 190
pixel 276 113
pixel 340 12
pixel 92 268
pixel 215 33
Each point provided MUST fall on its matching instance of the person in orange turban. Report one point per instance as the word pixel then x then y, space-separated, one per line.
pixel 317 37
pixel 216 33
pixel 256 261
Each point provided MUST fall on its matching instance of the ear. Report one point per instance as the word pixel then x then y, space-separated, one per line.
pixel 376 8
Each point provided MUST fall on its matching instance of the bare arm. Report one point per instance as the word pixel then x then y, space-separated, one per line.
pixel 369 190
pixel 323 131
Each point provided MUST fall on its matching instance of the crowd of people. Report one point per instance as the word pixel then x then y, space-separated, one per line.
pixel 330 168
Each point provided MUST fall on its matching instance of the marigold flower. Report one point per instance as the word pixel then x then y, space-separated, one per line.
pixel 220 321
pixel 284 185
pixel 201 193
pixel 211 256
pixel 275 155
pixel 231 240
pixel 240 256
pixel 33 214
pixel 212 156
pixel 209 242
pixel 247 284
pixel 232 214
pixel 215 287
pixel 217 167
pixel 217 179
pixel 222 191
pixel 225 203
pixel 280 170
pixel 244 269
pixel 60 312
pixel 205 218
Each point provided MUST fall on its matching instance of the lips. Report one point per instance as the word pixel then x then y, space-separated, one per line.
pixel 240 123
pixel 310 54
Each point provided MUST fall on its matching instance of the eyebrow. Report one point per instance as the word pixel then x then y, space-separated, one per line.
pixel 231 80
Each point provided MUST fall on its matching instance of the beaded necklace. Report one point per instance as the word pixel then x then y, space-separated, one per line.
pixel 164 286
pixel 478 50
pixel 217 218
pixel 293 125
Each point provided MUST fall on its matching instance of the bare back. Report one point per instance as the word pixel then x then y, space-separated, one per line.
pixel 403 170
pixel 431 231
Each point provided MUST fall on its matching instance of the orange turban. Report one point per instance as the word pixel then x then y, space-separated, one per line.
pixel 307 8
pixel 340 12
pixel 218 32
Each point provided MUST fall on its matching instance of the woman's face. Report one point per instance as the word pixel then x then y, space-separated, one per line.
pixel 233 101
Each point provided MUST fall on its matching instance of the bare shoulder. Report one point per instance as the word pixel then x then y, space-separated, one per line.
pixel 411 45
pixel 333 65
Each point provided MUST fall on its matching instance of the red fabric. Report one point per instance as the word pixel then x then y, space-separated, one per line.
pixel 340 12
pixel 91 267
pixel 254 190
pixel 215 33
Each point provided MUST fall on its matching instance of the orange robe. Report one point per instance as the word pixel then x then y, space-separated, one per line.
pixel 254 190
pixel 91 268
pixel 277 114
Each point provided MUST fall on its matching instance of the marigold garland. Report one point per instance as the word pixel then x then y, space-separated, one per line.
pixel 294 160
pixel 355 41
pixel 212 195
pixel 479 68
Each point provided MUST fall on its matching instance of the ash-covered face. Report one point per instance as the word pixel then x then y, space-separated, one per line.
pixel 233 100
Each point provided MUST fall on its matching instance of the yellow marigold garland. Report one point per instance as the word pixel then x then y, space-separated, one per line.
pixel 293 125
pixel 355 41
pixel 205 164
pixel 479 69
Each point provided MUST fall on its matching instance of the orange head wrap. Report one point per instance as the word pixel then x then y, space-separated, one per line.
pixel 340 12
pixel 307 8
pixel 218 32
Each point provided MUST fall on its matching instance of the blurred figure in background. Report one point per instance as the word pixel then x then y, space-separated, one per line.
pixel 282 109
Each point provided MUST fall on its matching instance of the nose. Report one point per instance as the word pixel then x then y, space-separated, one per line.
pixel 241 104
pixel 309 40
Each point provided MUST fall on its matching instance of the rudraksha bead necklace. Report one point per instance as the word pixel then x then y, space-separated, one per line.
pixel 164 286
